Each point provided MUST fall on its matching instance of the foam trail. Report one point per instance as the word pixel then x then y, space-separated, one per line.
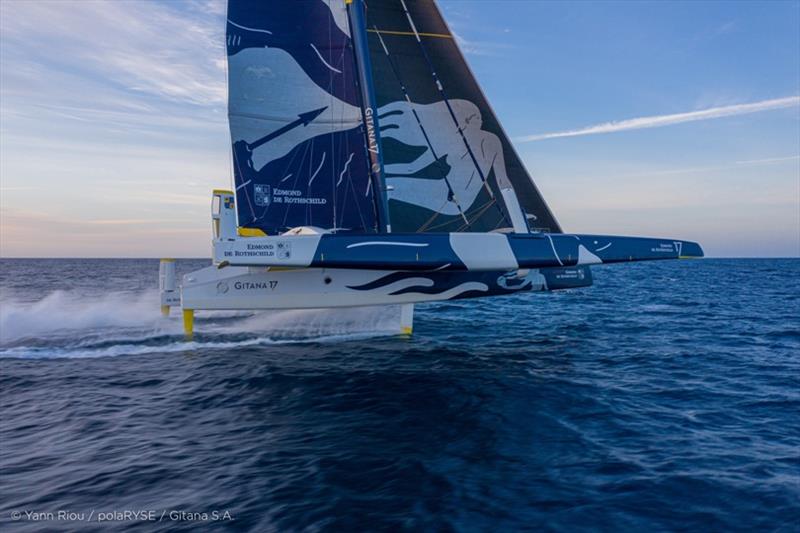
pixel 116 350
pixel 62 310
pixel 314 323
pixel 73 325
pixel 28 352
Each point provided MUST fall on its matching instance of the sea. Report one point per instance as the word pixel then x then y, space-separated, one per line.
pixel 665 397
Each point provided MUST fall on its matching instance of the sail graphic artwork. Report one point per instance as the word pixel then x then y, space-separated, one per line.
pixel 370 169
pixel 446 154
pixel 295 116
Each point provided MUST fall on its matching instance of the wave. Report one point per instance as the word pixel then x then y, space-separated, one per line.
pixel 129 349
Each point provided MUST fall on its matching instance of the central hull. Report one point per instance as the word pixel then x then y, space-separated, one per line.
pixel 259 288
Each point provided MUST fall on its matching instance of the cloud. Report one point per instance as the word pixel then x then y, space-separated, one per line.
pixel 113 87
pixel 769 160
pixel 706 168
pixel 479 48
pixel 657 121
pixel 168 51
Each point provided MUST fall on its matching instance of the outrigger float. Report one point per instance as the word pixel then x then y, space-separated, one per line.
pixel 370 170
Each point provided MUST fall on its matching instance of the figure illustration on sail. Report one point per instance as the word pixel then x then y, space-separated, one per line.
pixel 370 170
pixel 443 178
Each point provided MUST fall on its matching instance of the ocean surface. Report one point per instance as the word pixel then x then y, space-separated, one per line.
pixel 665 397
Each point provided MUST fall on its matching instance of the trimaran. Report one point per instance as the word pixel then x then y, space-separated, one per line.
pixel 369 169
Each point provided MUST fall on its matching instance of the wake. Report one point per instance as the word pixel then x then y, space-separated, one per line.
pixel 65 324
pixel 63 311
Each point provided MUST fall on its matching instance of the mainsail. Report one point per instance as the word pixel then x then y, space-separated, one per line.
pixel 299 151
pixel 304 79
pixel 448 164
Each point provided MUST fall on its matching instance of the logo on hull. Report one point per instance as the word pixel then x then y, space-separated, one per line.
pixel 284 250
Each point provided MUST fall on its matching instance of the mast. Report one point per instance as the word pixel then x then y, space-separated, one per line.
pixel 358 32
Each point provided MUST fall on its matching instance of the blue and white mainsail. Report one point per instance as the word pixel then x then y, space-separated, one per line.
pixel 300 154
pixel 309 83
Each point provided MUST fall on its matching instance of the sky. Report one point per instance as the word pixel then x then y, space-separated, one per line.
pixel 667 119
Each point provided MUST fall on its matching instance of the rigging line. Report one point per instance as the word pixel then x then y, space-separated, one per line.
pixel 332 84
pixel 335 192
pixel 411 34
pixel 440 87
pixel 428 222
pixel 352 188
pixel 347 149
pixel 285 170
pixel 508 208
pixel 343 196
pixel 419 121
pixel 497 226
pixel 362 105
pixel 307 207
pixel 448 222
pixel 308 144
pixel 349 186
pixel 355 199
pixel 443 224
pixel 488 204
pixel 344 143
pixel 343 84
pixel 246 194
pixel 231 177
pixel 481 210
pixel 478 212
